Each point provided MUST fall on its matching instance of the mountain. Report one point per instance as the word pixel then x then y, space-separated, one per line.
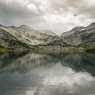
pixel 80 36
pixel 9 41
pixel 35 37
pixel 26 37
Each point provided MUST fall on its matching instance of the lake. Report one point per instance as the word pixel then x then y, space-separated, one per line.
pixel 40 74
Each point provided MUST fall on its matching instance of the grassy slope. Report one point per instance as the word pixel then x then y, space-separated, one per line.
pixel 3 50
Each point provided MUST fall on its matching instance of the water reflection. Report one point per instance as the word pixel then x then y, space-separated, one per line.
pixel 36 74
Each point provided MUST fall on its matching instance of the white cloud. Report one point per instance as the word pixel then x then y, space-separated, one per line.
pixel 57 15
pixel 66 21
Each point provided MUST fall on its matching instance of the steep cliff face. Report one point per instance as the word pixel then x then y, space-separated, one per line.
pixel 80 36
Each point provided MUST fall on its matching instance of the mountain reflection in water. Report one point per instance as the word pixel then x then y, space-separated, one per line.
pixel 36 74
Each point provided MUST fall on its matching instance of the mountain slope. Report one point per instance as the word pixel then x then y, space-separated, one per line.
pixel 9 41
pixel 80 36
pixel 24 36
pixel 34 37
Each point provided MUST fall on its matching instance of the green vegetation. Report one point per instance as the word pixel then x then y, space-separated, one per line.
pixel 90 50
pixel 3 50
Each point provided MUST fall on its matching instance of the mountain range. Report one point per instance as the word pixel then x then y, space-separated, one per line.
pixel 24 37
pixel 80 36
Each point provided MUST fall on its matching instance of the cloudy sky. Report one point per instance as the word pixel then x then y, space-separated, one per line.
pixel 56 15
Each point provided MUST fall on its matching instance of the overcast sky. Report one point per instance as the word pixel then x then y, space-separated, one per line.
pixel 56 15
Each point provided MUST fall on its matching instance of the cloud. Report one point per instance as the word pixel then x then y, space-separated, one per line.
pixel 84 7
pixel 17 11
pixel 57 15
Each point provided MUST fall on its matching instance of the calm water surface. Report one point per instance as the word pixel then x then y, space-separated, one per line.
pixel 36 74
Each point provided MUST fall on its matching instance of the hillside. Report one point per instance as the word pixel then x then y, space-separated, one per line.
pixel 26 37
pixel 80 36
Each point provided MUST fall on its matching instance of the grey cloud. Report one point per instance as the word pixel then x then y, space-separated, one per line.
pixel 15 12
pixel 11 13
pixel 85 7
pixel 57 15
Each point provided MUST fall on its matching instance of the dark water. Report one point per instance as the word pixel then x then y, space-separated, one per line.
pixel 36 74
